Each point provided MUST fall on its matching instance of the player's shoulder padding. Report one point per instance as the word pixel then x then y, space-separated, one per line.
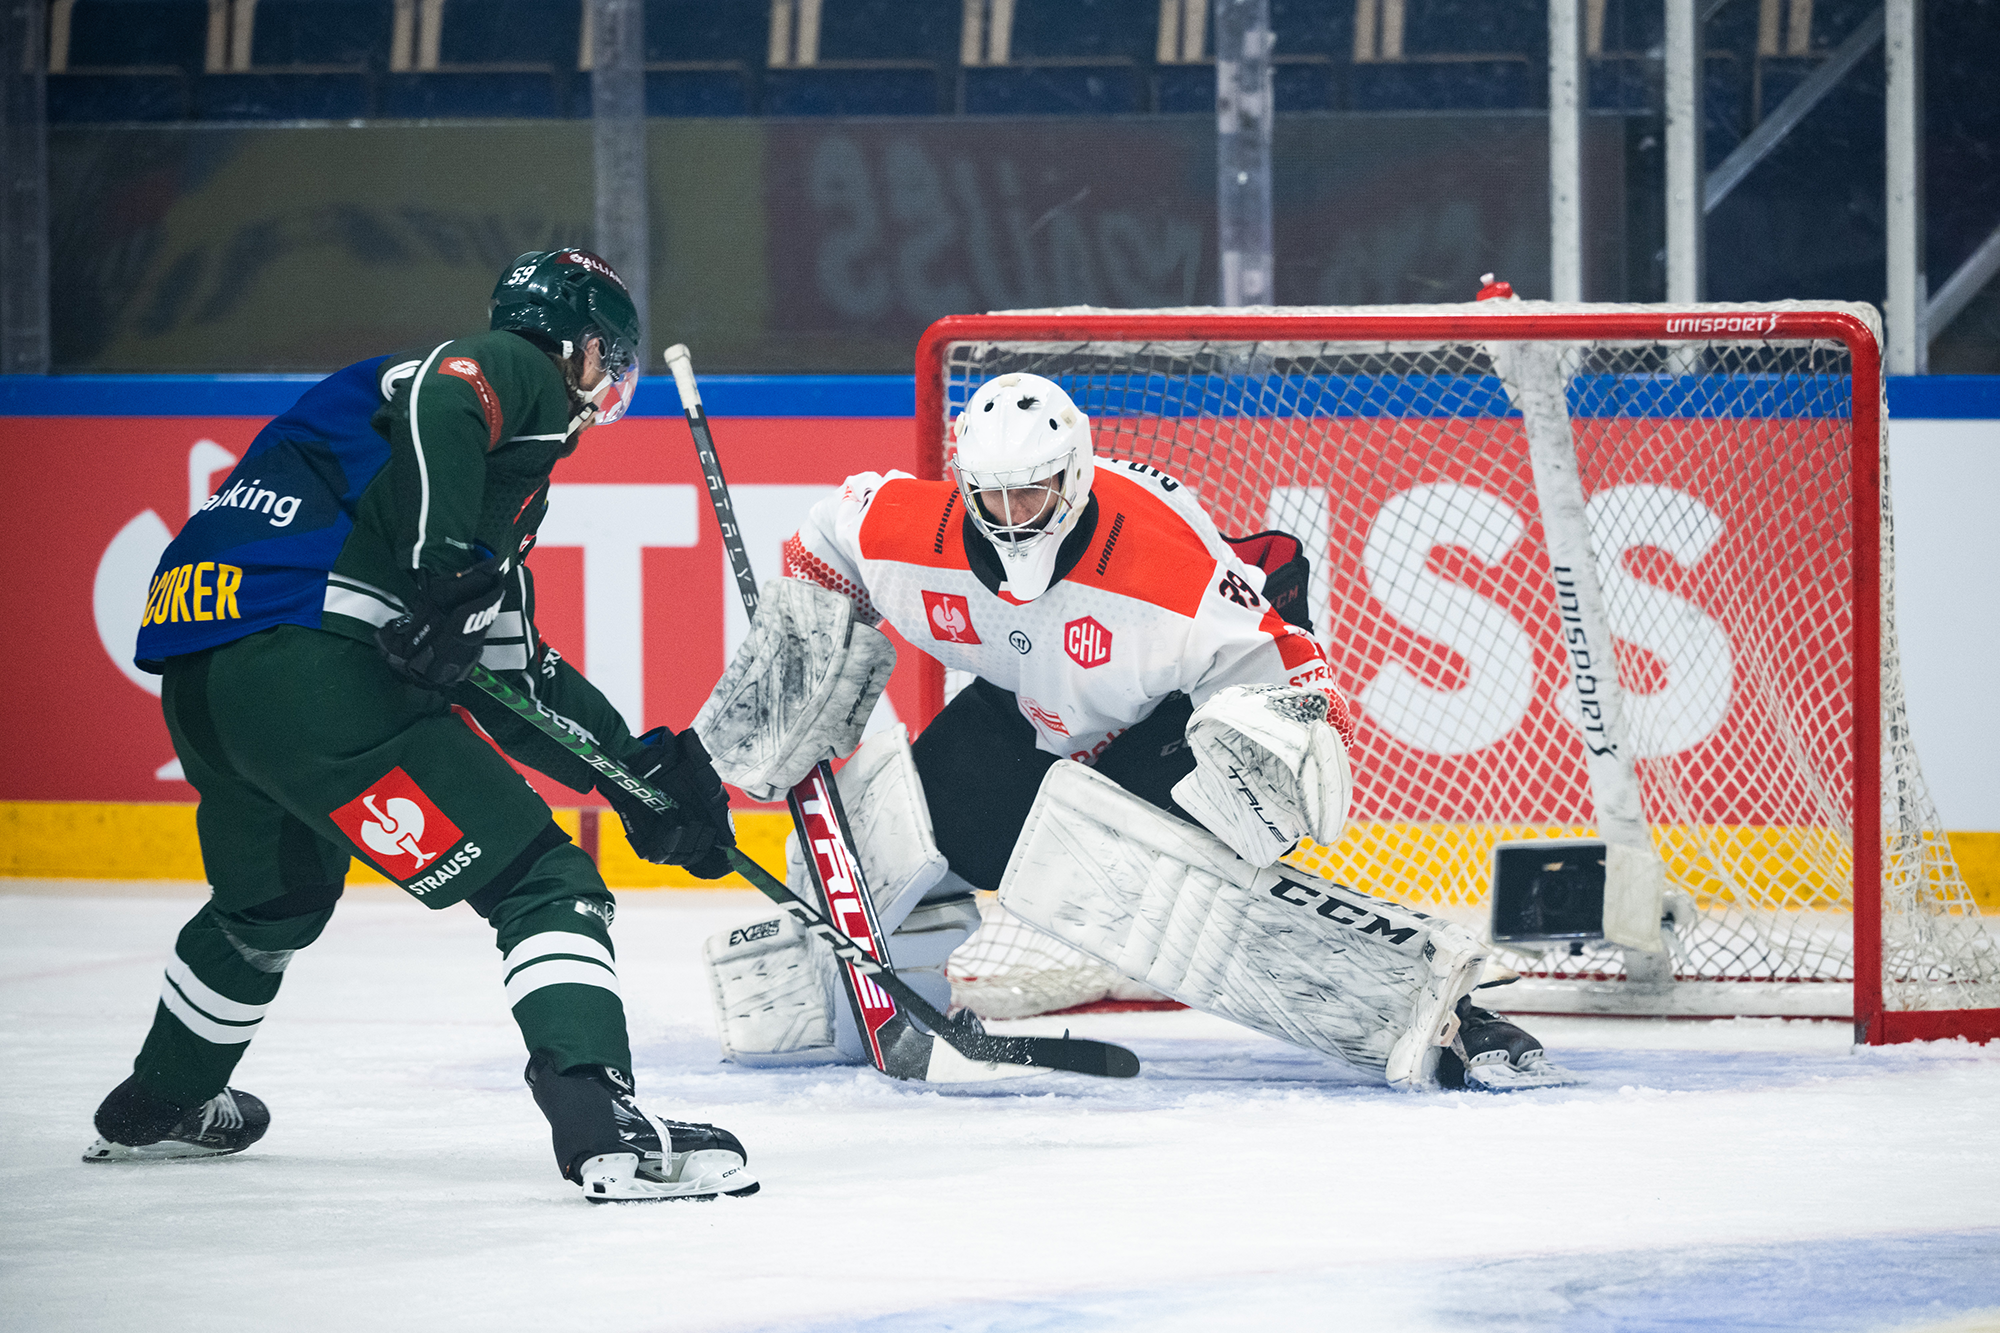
pixel 1145 547
pixel 911 521
pixel 516 384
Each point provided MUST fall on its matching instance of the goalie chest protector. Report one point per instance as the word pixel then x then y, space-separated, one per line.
pixel 1153 601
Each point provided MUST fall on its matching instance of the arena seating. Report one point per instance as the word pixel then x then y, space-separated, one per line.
pixel 169 60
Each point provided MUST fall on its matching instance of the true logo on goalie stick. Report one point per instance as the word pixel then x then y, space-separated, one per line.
pixel 950 616
pixel 1342 912
pixel 403 831
pixel 1087 642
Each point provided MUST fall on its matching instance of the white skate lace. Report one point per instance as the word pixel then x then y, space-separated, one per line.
pixel 220 1111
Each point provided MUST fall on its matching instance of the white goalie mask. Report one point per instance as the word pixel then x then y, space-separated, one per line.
pixel 1021 457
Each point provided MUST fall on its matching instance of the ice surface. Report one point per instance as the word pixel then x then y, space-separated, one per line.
pixel 1735 1175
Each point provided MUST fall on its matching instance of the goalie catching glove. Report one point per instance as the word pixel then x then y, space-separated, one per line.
pixel 799 690
pixel 1268 770
pixel 696 833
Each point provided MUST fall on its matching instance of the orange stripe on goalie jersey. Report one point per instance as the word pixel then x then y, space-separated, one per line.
pixel 914 523
pixel 465 368
pixel 1143 549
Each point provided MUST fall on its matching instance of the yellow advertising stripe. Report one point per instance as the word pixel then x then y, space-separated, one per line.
pixel 116 840
pixel 1424 864
pixel 1776 867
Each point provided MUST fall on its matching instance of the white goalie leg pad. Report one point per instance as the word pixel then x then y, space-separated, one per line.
pixel 1305 960
pixel 799 690
pixel 891 824
pixel 764 973
pixel 773 994
pixel 1268 770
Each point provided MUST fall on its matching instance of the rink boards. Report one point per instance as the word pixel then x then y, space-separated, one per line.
pixel 633 587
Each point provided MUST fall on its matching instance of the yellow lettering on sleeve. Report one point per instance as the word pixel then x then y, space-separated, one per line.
pixel 227 579
pixel 182 573
pixel 201 589
pixel 153 607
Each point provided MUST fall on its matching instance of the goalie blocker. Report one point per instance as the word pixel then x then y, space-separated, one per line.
pixel 1375 985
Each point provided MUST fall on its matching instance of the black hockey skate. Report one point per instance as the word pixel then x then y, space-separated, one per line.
pixel 135 1126
pixel 618 1153
pixel 1491 1054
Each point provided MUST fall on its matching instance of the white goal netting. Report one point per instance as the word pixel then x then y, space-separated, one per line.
pixel 1721 480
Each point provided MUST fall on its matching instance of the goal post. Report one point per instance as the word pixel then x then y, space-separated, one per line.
pixel 1727 506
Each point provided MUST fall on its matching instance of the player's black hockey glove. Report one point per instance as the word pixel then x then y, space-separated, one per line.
pixel 437 642
pixel 696 832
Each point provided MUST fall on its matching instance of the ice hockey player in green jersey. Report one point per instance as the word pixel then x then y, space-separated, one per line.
pixel 314 624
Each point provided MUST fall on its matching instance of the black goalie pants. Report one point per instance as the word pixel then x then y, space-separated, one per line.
pixel 306 750
pixel 981 771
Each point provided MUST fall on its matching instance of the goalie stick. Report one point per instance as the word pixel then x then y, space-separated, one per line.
pixel 912 1052
pixel 817 814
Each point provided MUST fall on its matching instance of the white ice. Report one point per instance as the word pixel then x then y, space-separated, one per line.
pixel 1735 1175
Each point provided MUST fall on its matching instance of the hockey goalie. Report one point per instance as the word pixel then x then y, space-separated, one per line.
pixel 1150 726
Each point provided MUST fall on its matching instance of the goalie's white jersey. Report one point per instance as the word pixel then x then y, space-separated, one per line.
pixel 1156 601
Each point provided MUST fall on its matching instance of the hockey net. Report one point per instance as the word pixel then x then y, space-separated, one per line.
pixel 1734 461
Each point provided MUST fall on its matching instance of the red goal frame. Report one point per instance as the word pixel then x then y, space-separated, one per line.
pixel 1874 1024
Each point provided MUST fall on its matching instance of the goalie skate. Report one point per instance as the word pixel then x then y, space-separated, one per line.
pixel 1491 1054
pixel 226 1123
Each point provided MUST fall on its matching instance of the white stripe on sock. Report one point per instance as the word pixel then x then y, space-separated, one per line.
pixel 201 1024
pixel 211 1002
pixel 555 942
pixel 558 972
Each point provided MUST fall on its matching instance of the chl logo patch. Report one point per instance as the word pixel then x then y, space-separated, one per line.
pixel 1087 642
pixel 401 828
pixel 950 616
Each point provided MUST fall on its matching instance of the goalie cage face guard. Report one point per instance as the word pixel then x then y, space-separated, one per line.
pixel 1021 435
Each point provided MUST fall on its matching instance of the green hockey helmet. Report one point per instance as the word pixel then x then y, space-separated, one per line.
pixel 566 297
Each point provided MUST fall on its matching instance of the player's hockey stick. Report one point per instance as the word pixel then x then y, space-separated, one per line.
pixel 817 815
pixel 913 1054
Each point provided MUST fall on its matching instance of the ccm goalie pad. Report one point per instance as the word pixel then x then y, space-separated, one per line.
pixel 1302 959
pixel 799 689
pixel 1268 770
pixel 778 996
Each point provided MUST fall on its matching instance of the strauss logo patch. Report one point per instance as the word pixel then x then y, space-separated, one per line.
pixel 950 617
pixel 400 828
